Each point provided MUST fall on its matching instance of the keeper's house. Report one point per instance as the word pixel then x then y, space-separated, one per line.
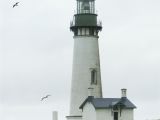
pixel 108 108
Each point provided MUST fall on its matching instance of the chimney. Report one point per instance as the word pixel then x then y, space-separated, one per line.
pixel 124 93
pixel 90 91
pixel 55 115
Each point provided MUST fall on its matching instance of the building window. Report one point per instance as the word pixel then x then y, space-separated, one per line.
pixel 93 76
pixel 115 116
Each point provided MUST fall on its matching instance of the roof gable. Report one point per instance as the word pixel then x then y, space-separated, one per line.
pixel 100 103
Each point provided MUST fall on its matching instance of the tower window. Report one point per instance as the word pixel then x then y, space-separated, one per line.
pixel 76 32
pixel 91 31
pixel 115 116
pixel 93 77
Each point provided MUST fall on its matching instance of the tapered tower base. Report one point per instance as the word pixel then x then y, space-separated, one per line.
pixel 86 71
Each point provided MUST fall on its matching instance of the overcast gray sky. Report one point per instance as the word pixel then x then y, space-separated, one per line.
pixel 36 49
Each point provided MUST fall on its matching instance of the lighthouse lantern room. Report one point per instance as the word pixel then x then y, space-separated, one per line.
pixel 85 20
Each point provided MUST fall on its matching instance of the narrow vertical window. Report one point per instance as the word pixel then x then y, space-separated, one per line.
pixel 80 31
pixel 115 116
pixel 91 31
pixel 76 32
pixel 93 77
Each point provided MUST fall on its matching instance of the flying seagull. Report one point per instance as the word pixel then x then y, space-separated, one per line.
pixel 16 4
pixel 45 97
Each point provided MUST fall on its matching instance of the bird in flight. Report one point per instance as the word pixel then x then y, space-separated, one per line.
pixel 45 97
pixel 16 4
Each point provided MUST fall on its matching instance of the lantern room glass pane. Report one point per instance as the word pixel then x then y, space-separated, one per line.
pixel 85 6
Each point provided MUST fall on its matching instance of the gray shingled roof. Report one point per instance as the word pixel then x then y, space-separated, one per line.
pixel 109 102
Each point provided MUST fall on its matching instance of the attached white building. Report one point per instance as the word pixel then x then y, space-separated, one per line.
pixel 107 108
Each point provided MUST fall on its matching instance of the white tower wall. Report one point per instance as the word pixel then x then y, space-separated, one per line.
pixel 85 59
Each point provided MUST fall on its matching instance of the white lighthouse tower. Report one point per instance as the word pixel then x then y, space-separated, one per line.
pixel 86 101
pixel 86 63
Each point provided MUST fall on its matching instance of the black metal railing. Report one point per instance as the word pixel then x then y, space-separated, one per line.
pixel 72 23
